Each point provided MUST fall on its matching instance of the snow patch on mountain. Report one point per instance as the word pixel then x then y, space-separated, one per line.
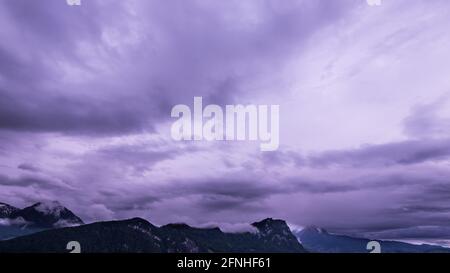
pixel 7 210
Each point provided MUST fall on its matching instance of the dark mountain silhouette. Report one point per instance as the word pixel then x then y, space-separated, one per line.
pixel 138 235
pixel 319 240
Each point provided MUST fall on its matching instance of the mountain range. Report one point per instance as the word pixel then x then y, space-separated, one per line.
pixel 49 227
pixel 319 240
pixel 139 236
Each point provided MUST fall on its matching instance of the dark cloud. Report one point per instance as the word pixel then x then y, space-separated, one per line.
pixel 229 187
pixel 26 181
pixel 406 152
pixel 52 113
pixel 215 203
pixel 138 156
pixel 28 167
pixel 417 233
pixel 283 157
pixel 143 201
pixel 175 51
pixel 383 155
pixel 425 120
pixel 320 186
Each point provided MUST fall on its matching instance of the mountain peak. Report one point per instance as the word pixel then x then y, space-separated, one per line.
pixel 270 225
pixel 48 214
pixel 177 226
pixel 49 207
pixel 7 210
pixel 136 221
pixel 39 216
pixel 277 232
pixel 269 221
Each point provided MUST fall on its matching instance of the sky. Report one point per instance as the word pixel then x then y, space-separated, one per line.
pixel 86 94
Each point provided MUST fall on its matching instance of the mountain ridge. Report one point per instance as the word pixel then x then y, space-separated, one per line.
pixel 139 235
pixel 46 226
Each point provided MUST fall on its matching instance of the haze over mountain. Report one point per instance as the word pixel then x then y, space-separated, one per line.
pixel 319 240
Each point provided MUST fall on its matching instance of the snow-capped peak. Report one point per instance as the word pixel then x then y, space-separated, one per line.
pixel 49 214
pixel 6 210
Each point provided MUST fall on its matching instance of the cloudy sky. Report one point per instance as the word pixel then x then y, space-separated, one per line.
pixel 364 92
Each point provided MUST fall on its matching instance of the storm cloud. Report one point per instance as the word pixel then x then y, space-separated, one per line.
pixel 86 94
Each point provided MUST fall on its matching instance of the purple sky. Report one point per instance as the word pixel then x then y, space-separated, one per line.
pixel 364 92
